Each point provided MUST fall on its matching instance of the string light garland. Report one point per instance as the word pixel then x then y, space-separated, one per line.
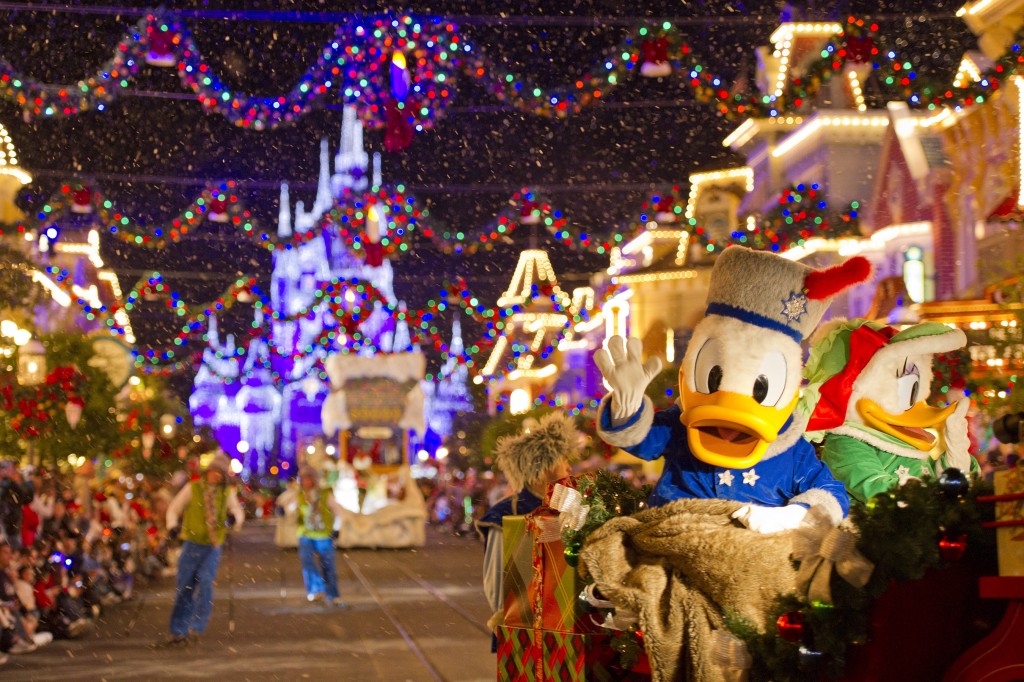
pixel 399 71
pixel 800 213
pixel 352 64
pixel 397 216
pixel 343 303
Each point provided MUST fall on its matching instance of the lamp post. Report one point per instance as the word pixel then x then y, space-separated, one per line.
pixel 168 425
pixel 148 440
pixel 31 363
pixel 31 372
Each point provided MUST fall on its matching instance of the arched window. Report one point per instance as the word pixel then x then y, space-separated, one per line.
pixel 519 401
pixel 913 273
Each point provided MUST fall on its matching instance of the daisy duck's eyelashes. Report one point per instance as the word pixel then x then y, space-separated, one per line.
pixel 908 384
pixel 908 368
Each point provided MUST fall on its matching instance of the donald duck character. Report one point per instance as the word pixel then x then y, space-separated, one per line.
pixel 733 434
pixel 868 384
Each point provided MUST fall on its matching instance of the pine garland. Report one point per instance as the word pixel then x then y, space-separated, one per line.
pixel 608 495
pixel 899 532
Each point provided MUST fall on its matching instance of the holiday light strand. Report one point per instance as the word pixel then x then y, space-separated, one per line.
pixel 342 333
pixel 344 302
pixel 361 65
pixel 384 60
pixel 799 214
pixel 390 214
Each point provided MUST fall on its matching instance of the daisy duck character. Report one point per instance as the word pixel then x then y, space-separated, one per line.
pixel 868 383
pixel 733 434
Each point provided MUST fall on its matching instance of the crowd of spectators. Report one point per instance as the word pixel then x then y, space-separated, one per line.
pixel 68 551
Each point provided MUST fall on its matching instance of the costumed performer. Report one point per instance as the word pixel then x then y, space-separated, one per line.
pixel 868 383
pixel 319 522
pixel 541 454
pixel 202 507
pixel 734 435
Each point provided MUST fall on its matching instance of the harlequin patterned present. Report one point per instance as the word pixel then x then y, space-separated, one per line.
pixel 517 572
pixel 570 657
pixel 547 656
pixel 519 655
pixel 541 590
pixel 1010 539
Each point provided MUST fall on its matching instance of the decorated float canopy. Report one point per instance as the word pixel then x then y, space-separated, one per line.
pixel 373 393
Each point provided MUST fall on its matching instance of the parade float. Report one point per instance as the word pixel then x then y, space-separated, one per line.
pixel 374 403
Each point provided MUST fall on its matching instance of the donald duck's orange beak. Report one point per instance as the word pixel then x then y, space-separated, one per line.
pixel 730 429
pixel 910 426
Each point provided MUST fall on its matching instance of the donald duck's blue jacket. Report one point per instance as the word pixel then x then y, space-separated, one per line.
pixel 793 475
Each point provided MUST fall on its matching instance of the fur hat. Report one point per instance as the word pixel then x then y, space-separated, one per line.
pixel 221 463
pixel 766 290
pixel 524 457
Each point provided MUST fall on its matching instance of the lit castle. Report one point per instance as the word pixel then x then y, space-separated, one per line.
pixel 265 407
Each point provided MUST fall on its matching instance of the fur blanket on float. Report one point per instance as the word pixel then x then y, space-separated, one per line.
pixel 680 567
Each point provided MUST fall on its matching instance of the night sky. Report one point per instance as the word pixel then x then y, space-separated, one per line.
pixel 648 133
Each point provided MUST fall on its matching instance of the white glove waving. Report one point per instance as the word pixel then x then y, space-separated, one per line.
pixel 770 519
pixel 957 441
pixel 626 374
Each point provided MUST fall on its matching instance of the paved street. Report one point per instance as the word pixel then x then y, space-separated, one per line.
pixel 415 615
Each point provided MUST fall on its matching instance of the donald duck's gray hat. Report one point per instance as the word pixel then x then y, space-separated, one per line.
pixel 765 290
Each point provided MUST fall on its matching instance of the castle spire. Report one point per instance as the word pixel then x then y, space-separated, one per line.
pixel 402 341
pixel 456 347
pixel 351 162
pixel 213 333
pixel 284 217
pixel 323 200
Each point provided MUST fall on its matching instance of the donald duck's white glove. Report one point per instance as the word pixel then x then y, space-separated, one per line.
pixel 957 441
pixel 770 519
pixel 627 376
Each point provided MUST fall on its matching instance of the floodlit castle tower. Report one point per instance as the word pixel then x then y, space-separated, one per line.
pixel 268 433
pixel 449 396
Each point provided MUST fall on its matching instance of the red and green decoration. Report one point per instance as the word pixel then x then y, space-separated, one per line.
pixel 400 69
pixel 358 64
pixel 33 411
pixel 801 213
pixel 73 410
pixel 951 371
pixel 914 530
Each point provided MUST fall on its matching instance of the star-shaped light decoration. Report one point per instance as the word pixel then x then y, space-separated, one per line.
pixel 794 307
pixel 725 478
pixel 750 478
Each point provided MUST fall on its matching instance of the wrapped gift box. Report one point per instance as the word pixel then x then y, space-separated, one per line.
pixel 526 655
pixel 541 590
pixel 1010 540
pixel 519 655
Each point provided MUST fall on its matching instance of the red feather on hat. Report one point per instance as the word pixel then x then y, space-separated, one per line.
pixel 822 284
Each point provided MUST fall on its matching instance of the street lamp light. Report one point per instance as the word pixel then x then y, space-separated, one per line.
pixel 31 363
pixel 148 441
pixel 168 425
pixel 73 411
